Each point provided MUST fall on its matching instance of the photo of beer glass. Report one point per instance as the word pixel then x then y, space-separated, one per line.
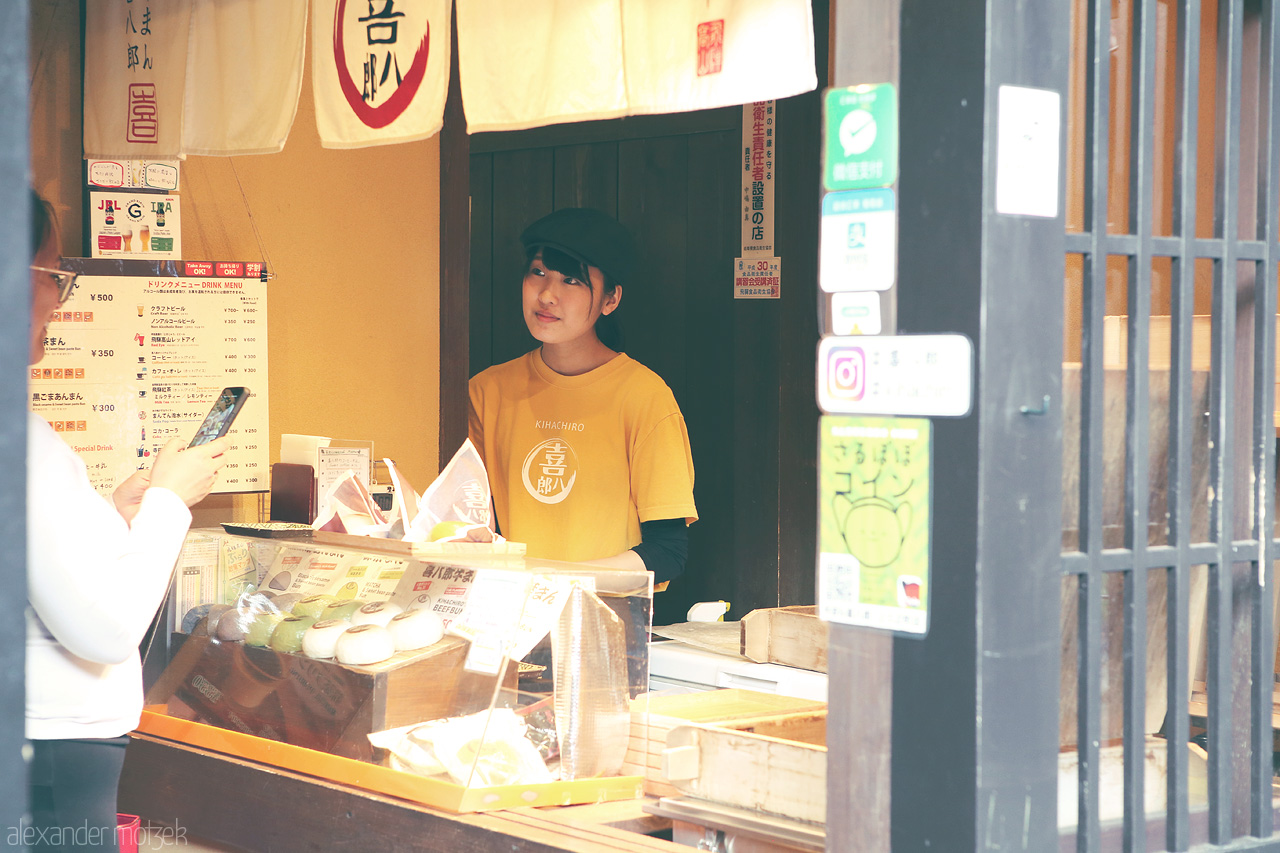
pixel 127 234
pixel 144 238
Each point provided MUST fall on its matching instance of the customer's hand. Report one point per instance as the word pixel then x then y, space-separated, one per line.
pixel 128 495
pixel 189 472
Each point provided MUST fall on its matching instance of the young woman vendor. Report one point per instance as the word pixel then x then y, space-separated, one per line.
pixel 586 449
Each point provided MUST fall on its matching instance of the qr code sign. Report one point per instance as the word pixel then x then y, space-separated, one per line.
pixel 838 587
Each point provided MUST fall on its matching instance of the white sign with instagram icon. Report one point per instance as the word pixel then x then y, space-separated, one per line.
pixel 921 375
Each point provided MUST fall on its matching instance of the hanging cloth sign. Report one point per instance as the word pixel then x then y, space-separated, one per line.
pixel 697 56
pixel 509 78
pixel 135 71
pixel 163 80
pixel 244 76
pixel 380 70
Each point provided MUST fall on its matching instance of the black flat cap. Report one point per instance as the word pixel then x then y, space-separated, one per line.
pixel 591 236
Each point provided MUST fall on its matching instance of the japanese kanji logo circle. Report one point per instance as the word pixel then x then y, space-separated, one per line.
pixel 550 470
pixel 381 63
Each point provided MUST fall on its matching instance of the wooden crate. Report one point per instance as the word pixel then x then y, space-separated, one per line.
pixel 793 636
pixel 318 704
pixel 653 717
pixel 783 773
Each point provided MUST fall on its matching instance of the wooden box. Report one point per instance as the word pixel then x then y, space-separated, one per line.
pixel 653 717
pixel 793 636
pixel 318 704
pixel 775 765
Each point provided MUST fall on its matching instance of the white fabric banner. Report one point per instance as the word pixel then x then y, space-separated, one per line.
pixel 532 64
pixel 244 76
pixel 167 78
pixel 135 66
pixel 380 70
pixel 697 56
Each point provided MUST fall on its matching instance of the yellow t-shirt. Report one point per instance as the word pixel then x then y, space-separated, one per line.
pixel 575 463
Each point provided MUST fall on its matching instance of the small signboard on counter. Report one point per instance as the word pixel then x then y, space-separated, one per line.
pixel 138 354
pixel 135 224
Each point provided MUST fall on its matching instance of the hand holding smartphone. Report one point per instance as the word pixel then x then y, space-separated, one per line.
pixel 229 403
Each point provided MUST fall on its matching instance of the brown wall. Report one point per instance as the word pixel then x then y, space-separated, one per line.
pixel 352 237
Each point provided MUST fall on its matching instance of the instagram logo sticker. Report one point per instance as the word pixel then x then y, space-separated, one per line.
pixel 846 373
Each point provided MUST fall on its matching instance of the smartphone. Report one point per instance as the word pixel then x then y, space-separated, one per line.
pixel 229 403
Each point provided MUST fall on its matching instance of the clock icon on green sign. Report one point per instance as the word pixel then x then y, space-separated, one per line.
pixel 857 132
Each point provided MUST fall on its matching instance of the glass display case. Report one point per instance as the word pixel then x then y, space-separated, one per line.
pixel 458 675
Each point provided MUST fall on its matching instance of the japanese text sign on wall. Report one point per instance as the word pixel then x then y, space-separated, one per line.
pixel 874 516
pixel 759 271
pixel 861 146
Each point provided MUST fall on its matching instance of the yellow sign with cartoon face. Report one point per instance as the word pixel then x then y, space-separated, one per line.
pixel 874 522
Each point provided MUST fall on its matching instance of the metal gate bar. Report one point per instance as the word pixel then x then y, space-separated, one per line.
pixel 1267 179
pixel 1226 557
pixel 1137 488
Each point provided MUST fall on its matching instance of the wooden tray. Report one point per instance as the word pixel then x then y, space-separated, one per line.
pixel 427 791
pixel 400 548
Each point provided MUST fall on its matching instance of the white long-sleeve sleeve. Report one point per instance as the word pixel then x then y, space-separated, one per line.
pixel 93 585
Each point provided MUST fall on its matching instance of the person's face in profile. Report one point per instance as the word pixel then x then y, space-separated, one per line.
pixel 44 293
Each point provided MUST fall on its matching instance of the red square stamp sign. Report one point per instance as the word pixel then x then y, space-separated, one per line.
pixel 710 47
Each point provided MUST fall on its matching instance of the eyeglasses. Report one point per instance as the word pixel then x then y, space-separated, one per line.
pixel 66 281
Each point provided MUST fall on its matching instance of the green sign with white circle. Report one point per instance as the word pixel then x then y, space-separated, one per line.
pixel 861 149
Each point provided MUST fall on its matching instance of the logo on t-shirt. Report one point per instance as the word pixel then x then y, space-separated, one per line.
pixel 549 471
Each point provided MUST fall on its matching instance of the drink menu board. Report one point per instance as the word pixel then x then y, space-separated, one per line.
pixel 138 354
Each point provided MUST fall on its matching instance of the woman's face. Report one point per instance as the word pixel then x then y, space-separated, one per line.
pixel 561 309
pixel 44 294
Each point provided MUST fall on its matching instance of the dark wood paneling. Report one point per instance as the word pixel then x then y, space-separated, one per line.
pixel 455 259
pixel 796 235
pixel 481 289
pixel 587 176
pixel 709 351
pixel 652 191
pixel 611 130
pixel 523 183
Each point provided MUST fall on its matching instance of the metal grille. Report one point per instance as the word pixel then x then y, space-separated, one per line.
pixel 1234 551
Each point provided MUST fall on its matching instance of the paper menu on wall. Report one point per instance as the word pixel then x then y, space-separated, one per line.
pixel 138 354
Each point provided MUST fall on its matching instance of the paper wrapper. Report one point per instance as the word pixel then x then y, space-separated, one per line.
pixel 593 715
pixel 459 497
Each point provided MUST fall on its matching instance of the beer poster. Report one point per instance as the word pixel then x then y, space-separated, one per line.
pixel 134 224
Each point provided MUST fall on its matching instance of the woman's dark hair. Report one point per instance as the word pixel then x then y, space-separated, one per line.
pixel 41 222
pixel 608 327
